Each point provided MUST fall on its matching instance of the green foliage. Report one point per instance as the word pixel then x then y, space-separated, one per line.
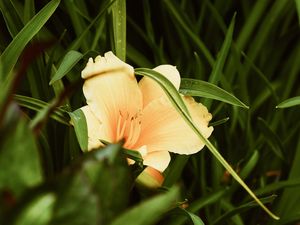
pixel 79 122
pixel 200 88
pixel 242 54
pixel 11 54
pixel 19 163
pixel 289 102
pixel 68 62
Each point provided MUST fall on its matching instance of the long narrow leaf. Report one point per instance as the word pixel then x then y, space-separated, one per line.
pixel 298 8
pixel 194 218
pixel 176 100
pixel 68 62
pixel 218 66
pixel 149 211
pixel 222 55
pixel 190 33
pixel 289 102
pixel 205 89
pixel 79 122
pixel 35 104
pixel 76 44
pixel 119 28
pixel 15 48
pixel 242 208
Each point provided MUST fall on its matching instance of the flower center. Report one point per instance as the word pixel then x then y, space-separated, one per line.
pixel 128 128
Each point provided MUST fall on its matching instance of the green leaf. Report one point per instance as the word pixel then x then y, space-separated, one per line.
pixel 207 200
pixel 19 155
pixel 37 105
pixel 179 105
pixel 131 154
pixel 219 122
pixel 242 208
pixel 175 169
pixel 294 182
pixel 108 166
pixel 271 138
pixel 11 54
pixel 198 204
pixel 29 10
pixel 218 66
pixel 194 218
pixel 39 212
pixel 222 55
pixel 246 170
pixel 80 39
pixel 94 190
pixel 298 8
pixel 134 155
pixel 204 89
pixel 289 102
pixel 149 211
pixel 12 19
pixel 68 62
pixel 119 28
pixel 178 19
pixel 168 87
pixel 79 122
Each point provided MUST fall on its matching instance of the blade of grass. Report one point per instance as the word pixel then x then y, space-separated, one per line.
pixel 119 28
pixel 79 23
pixel 194 37
pixel 79 122
pixel 216 15
pixel 241 209
pixel 271 138
pixel 218 66
pixel 68 62
pixel 289 102
pixel 29 10
pixel 76 44
pixel 35 104
pixel 246 170
pixel 219 122
pixel 193 217
pixel 222 55
pixel 174 171
pixel 294 182
pixel 198 204
pixel 298 9
pixel 42 116
pixel 12 20
pixel 178 103
pixel 205 89
pixel 151 210
pixel 261 76
pixel 11 54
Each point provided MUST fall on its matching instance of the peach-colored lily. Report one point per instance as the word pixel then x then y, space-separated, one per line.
pixel 118 107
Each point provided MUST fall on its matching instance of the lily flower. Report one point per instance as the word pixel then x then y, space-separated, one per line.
pixel 140 113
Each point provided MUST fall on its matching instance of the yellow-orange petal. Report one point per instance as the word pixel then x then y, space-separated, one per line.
pixel 150 178
pixel 108 63
pixel 114 97
pixel 151 90
pixel 158 160
pixel 96 129
pixel 163 129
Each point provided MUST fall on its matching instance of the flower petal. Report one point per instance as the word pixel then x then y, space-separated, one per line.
pixel 96 129
pixel 163 129
pixel 108 63
pixel 158 160
pixel 150 178
pixel 151 90
pixel 113 96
